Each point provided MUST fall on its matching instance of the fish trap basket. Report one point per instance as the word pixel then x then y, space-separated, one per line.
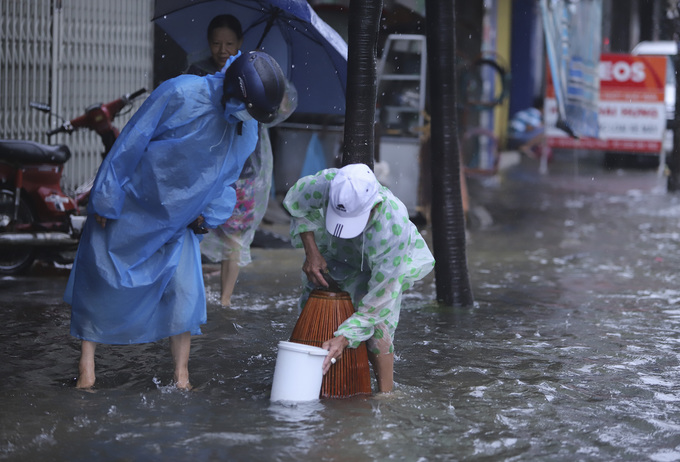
pixel 320 318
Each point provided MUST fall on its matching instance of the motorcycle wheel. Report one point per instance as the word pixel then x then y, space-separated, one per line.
pixel 14 259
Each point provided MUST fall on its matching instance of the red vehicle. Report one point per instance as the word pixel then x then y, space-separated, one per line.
pixel 37 219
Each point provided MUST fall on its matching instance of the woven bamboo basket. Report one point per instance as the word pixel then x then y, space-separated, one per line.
pixel 324 311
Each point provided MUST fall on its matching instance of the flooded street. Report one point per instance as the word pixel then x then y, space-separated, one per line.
pixel 571 352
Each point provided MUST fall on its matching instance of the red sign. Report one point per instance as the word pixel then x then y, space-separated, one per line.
pixel 631 110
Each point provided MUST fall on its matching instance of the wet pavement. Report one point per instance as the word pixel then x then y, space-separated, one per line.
pixel 571 351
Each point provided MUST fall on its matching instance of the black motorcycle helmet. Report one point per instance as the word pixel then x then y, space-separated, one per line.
pixel 256 79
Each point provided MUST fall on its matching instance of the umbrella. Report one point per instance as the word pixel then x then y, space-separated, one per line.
pixel 310 52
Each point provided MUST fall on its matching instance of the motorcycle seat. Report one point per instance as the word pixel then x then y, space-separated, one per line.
pixel 29 152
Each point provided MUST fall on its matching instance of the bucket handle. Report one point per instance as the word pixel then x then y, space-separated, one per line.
pixel 318 353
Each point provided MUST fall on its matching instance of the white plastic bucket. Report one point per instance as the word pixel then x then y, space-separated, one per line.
pixel 78 221
pixel 298 374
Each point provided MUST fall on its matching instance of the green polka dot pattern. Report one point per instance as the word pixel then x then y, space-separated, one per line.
pixel 375 267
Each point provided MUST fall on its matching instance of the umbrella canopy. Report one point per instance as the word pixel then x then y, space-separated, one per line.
pixel 311 53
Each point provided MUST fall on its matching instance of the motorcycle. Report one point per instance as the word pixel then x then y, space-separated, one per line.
pixel 37 219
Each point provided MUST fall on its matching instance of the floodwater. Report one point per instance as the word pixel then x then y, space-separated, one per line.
pixel 571 352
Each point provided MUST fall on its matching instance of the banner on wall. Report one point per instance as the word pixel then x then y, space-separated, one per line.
pixel 631 109
pixel 573 34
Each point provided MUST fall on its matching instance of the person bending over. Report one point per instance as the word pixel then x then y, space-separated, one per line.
pixel 137 273
pixel 359 233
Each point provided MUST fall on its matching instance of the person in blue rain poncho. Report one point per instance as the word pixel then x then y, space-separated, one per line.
pixel 357 232
pixel 137 274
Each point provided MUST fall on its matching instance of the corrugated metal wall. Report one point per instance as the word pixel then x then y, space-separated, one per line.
pixel 71 54
pixel 25 65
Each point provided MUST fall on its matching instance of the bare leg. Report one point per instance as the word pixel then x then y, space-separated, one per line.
pixel 86 375
pixel 180 346
pixel 383 367
pixel 527 147
pixel 230 270
pixel 464 192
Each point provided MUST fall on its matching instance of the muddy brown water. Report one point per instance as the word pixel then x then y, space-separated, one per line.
pixel 571 351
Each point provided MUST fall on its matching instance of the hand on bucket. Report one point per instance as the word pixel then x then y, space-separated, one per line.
pixel 335 347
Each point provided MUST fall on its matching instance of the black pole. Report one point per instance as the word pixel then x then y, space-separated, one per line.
pixel 274 14
pixel 359 138
pixel 448 218
pixel 671 26
pixel 673 160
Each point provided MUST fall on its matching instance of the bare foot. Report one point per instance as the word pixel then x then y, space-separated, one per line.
pixel 86 365
pixel 180 345
pixel 186 386
pixel 182 381
pixel 86 377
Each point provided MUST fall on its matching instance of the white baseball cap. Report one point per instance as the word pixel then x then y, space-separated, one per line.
pixel 353 193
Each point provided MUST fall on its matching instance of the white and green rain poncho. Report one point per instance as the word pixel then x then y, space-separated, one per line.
pixel 375 268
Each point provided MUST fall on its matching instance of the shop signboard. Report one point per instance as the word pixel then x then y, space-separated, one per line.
pixel 631 110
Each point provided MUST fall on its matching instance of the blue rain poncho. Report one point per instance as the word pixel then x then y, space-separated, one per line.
pixel 375 267
pixel 139 279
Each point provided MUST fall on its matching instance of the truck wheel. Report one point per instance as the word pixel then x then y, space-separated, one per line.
pixel 14 259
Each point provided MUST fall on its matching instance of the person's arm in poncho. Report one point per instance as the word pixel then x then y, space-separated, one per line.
pixel 305 201
pixel 106 198
pixel 397 256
